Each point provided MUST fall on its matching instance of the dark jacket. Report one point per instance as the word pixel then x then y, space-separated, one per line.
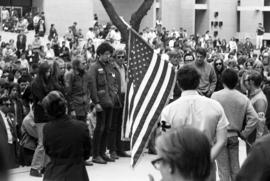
pixel 67 142
pixel 100 84
pixel 219 85
pixel 257 165
pixel 21 45
pixel 9 155
pixel 77 92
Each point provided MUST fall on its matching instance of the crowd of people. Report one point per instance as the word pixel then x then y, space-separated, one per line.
pixel 222 89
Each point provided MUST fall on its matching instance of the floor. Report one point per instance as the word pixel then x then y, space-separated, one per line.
pixel 117 171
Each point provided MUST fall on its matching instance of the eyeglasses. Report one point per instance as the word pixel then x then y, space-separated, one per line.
pixel 120 56
pixel 157 162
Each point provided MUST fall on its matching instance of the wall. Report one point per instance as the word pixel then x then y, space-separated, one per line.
pixel 227 14
pixel 201 21
pixel 63 13
pixel 38 4
pixel 125 8
pixel 248 28
pixel 176 14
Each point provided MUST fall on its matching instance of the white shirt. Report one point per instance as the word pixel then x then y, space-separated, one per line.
pixel 24 64
pixel 9 135
pixel 198 111
pixel 50 53
pixel 90 34
pixel 36 19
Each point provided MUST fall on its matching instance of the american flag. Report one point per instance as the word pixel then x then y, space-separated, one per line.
pixel 150 81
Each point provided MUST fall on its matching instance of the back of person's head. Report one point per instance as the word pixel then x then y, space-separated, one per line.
pixel 55 104
pixel 186 151
pixel 229 78
pixel 42 69
pixel 103 47
pixel 256 77
pixel 188 77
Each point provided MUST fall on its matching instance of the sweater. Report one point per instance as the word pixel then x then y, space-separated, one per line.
pixel 237 107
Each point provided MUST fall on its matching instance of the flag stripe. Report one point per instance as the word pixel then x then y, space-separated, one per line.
pixel 150 81
pixel 161 100
pixel 149 103
pixel 143 92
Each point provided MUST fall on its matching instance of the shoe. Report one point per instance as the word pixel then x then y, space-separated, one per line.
pixel 108 159
pixel 114 155
pixel 35 173
pixel 99 160
pixel 123 154
pixel 88 163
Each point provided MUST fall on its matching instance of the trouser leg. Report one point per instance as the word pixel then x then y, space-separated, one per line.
pixel 39 159
pixel 104 137
pixel 223 164
pixel 233 148
pixel 100 124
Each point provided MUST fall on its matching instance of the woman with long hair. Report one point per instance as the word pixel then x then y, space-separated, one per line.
pixel 219 67
pixel 40 87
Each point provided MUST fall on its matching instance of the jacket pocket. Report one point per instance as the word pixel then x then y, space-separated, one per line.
pixel 101 78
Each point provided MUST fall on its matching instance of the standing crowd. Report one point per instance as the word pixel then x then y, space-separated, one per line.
pixel 79 86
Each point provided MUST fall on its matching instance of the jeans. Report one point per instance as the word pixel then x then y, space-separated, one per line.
pixel 101 132
pixel 39 159
pixel 228 160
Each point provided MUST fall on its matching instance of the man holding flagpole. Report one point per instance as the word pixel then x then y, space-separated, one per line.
pixel 150 80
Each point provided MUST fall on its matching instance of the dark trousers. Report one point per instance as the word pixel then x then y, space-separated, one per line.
pixel 11 157
pixel 251 139
pixel 115 144
pixel 101 132
pixel 81 118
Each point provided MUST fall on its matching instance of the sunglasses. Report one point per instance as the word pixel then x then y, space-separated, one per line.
pixel 120 56
pixel 157 163
pixel 218 63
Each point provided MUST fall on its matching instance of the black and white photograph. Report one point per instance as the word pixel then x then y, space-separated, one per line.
pixel 134 90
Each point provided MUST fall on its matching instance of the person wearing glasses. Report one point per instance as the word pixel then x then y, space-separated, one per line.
pixel 183 154
pixel 219 67
pixel 120 85
pixel 252 82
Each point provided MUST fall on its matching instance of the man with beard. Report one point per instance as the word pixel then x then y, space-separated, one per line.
pixel 101 76
pixel 76 83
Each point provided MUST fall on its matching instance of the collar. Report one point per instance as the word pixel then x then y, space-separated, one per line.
pixel 255 92
pixel 189 93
